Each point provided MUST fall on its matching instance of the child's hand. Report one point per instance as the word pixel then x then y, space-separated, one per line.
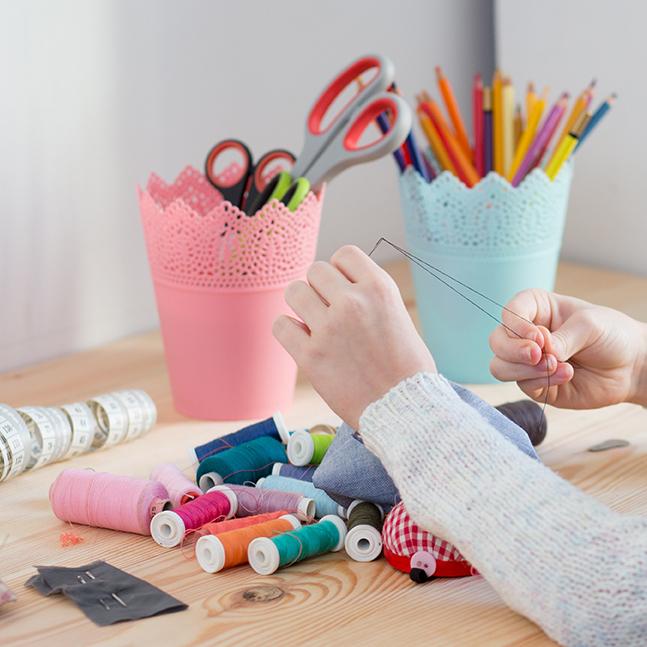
pixel 357 340
pixel 608 350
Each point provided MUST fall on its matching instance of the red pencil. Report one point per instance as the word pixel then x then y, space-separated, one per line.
pixel 477 117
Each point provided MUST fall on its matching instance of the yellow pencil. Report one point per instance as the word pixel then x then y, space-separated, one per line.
pixel 507 119
pixel 518 125
pixel 566 147
pixel 531 98
pixel 497 123
pixel 528 134
pixel 581 104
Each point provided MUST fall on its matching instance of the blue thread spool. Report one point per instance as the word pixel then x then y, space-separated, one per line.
pixel 273 427
pixel 267 554
pixel 294 471
pixel 242 464
pixel 494 238
pixel 323 503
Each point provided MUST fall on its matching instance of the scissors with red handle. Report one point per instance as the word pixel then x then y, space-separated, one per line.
pixel 242 182
pixel 330 149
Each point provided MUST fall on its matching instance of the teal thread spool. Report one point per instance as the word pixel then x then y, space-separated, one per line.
pixel 495 238
pixel 323 503
pixel 268 554
pixel 308 448
pixel 242 464
pixel 363 541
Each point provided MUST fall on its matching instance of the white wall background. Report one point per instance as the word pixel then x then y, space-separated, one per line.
pixel 564 44
pixel 98 93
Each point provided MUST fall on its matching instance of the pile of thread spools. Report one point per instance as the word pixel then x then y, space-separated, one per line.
pixel 254 503
pixel 31 437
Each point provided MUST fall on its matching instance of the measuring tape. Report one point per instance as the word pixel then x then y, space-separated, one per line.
pixel 31 437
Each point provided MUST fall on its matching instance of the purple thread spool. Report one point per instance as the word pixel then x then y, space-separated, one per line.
pixel 251 501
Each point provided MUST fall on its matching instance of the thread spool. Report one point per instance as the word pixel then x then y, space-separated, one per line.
pixel 267 554
pixel 242 464
pixel 180 488
pixel 324 505
pixel 529 416
pixel 294 471
pixel 308 448
pixel 51 434
pixel 253 501
pixel 363 540
pixel 106 500
pixel 15 443
pixel 273 427
pixel 229 549
pixel 84 426
pixel 169 527
pixel 218 527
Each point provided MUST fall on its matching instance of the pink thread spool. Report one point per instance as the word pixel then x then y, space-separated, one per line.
pixel 106 500
pixel 169 527
pixel 253 501
pixel 181 490
pixel 219 278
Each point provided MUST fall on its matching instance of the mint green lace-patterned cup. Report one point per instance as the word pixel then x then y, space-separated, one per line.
pixel 494 238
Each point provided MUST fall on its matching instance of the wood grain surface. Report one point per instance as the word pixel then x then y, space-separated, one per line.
pixel 325 601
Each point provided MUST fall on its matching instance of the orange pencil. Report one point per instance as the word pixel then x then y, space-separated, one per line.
pixel 518 125
pixel 464 169
pixel 454 112
pixel 497 122
pixel 581 104
pixel 433 137
pixel 531 98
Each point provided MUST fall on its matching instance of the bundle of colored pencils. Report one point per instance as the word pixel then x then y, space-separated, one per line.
pixel 509 140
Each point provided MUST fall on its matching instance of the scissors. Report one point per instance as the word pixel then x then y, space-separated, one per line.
pixel 329 150
pixel 242 183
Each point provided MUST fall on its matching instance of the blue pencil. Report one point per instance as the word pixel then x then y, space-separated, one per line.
pixel 383 123
pixel 596 117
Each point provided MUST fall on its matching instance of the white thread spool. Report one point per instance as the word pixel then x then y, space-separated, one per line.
pixel 50 431
pixel 168 529
pixel 112 420
pixel 84 426
pixel 363 542
pixel 210 552
pixel 15 443
pixel 142 412
pixel 263 555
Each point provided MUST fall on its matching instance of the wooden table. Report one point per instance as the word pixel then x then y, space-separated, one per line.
pixel 330 600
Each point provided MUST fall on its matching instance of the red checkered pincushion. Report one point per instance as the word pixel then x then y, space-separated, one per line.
pixel 408 547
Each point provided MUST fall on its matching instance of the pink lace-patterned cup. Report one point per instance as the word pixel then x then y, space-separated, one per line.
pixel 219 278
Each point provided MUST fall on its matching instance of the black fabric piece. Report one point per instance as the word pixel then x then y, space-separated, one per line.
pixel 105 593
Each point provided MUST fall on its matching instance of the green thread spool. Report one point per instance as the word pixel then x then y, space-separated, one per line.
pixel 268 554
pixel 363 542
pixel 239 465
pixel 307 448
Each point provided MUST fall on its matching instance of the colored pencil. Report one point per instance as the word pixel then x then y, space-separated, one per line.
pixel 581 104
pixel 451 105
pixel 411 146
pixel 507 107
pixel 553 130
pixel 497 124
pixel 531 97
pixel 383 123
pixel 431 171
pixel 464 169
pixel 540 140
pixel 487 130
pixel 597 116
pixel 567 145
pixel 433 137
pixel 518 125
pixel 477 114
pixel 528 134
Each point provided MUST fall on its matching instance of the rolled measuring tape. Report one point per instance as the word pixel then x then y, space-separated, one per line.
pixel 112 420
pixel 51 434
pixel 142 412
pixel 84 426
pixel 15 443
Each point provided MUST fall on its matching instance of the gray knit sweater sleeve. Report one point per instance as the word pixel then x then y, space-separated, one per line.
pixel 553 553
